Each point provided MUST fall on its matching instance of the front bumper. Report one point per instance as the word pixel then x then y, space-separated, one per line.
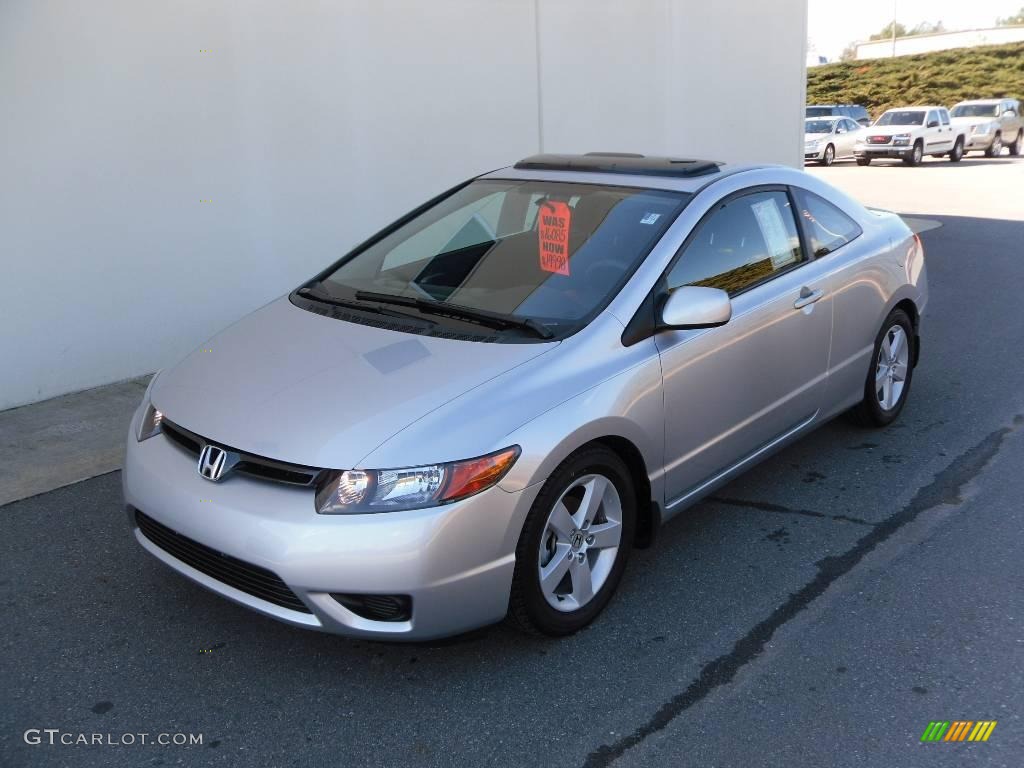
pixel 817 154
pixel 883 150
pixel 455 562
pixel 979 141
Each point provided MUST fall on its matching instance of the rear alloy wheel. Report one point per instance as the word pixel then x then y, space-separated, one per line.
pixel 1018 144
pixel 888 382
pixel 829 157
pixel 916 155
pixel 574 544
pixel 995 149
pixel 957 152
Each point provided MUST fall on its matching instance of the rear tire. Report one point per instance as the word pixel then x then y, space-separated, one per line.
pixel 1018 145
pixel 995 149
pixel 957 153
pixel 570 556
pixel 887 384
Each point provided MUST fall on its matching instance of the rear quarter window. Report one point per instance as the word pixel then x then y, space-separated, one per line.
pixel 826 226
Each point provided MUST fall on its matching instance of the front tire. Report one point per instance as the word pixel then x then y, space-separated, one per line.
pixel 1018 145
pixel 957 152
pixel 829 157
pixel 995 149
pixel 574 544
pixel 863 161
pixel 892 368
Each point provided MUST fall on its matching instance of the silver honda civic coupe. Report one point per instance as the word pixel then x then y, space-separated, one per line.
pixel 477 413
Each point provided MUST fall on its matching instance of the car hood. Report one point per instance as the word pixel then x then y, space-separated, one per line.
pixel 815 136
pixel 972 121
pixel 889 130
pixel 293 385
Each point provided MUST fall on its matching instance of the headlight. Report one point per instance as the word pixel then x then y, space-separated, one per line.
pixel 901 138
pixel 810 145
pixel 149 425
pixel 983 129
pixel 357 491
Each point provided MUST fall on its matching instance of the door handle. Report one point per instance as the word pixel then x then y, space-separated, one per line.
pixel 807 297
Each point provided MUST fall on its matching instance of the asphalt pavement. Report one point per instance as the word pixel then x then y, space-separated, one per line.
pixel 821 610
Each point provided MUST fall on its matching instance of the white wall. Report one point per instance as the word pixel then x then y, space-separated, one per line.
pixel 942 41
pixel 308 126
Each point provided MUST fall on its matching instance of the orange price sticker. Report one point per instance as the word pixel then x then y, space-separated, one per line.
pixel 553 233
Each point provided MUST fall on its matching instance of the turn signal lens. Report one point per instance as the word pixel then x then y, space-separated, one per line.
pixel 475 475
pixel 356 491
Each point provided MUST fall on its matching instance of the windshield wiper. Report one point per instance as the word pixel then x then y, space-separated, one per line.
pixel 482 316
pixel 334 301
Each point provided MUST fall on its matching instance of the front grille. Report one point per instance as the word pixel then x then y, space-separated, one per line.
pixel 879 139
pixel 247 463
pixel 249 578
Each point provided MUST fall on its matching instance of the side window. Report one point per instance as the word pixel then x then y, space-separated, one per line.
pixel 739 243
pixel 944 116
pixel 827 227
pixel 853 125
pixel 933 117
pixel 840 126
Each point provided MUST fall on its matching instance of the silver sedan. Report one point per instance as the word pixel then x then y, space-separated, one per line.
pixel 479 412
pixel 827 139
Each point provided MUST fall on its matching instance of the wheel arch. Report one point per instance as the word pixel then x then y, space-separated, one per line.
pixel 647 509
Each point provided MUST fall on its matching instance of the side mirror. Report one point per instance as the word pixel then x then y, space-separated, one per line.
pixel 691 307
pixel 933 124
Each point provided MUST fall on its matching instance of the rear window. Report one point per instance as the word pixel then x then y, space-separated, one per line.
pixel 819 111
pixel 554 252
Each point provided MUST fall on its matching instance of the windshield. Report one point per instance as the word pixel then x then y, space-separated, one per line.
pixel 819 126
pixel 552 252
pixel 902 117
pixel 818 111
pixel 975 110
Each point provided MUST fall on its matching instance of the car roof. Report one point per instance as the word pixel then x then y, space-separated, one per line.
pixel 621 169
pixel 984 101
pixel 911 109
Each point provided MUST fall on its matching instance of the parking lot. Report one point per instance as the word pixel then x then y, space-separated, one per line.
pixel 824 607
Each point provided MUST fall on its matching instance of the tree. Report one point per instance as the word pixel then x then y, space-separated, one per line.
pixel 886 32
pixel 849 53
pixel 1011 21
pixel 927 28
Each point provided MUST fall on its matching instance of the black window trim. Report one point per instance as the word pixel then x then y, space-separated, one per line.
pixel 644 322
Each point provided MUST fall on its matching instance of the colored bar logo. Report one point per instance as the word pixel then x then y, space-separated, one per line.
pixel 959 730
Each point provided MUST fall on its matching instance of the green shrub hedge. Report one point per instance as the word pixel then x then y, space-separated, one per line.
pixel 942 77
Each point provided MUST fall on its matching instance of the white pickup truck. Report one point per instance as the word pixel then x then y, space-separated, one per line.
pixel 910 133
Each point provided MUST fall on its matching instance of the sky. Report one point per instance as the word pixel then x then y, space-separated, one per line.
pixel 831 25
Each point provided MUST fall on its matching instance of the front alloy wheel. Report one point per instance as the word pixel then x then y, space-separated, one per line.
pixel 916 155
pixel 830 155
pixel 574 544
pixel 995 149
pixel 580 543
